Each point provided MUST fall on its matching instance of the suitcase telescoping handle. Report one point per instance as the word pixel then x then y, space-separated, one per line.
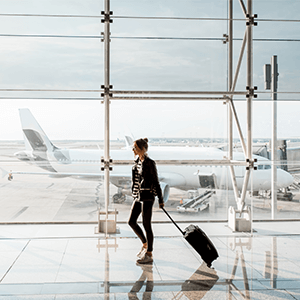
pixel 172 220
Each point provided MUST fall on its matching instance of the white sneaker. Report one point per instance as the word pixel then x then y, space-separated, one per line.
pixel 142 252
pixel 146 259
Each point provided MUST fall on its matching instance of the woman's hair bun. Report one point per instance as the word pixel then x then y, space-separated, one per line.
pixel 142 143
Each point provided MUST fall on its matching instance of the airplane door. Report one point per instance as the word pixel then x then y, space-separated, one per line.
pixel 207 181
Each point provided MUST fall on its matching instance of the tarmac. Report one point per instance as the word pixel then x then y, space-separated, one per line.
pixel 72 262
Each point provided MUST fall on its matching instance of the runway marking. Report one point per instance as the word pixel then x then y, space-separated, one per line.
pixel 20 212
pixel 50 186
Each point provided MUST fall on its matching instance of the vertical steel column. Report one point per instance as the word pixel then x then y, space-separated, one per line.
pixel 249 102
pixel 274 135
pixel 230 72
pixel 106 104
pixel 250 88
pixel 249 82
pixel 230 82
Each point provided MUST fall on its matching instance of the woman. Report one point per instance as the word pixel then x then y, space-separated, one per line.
pixel 145 187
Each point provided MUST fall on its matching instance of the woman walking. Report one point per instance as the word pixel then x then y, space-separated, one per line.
pixel 145 186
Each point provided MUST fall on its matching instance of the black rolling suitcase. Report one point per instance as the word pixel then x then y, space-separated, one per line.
pixel 199 241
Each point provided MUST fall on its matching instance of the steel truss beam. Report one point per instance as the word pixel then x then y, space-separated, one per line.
pixel 207 162
pixel 231 110
pixel 247 149
pixel 141 95
pixel 181 92
pixel 243 7
pixel 170 98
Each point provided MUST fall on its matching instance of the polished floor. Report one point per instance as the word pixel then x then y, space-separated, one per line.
pixel 72 262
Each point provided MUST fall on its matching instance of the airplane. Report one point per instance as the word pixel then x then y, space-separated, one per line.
pixel 86 164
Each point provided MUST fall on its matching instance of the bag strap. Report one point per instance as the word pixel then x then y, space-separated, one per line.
pixel 172 220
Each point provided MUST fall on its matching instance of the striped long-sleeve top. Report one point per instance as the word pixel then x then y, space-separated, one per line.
pixel 137 180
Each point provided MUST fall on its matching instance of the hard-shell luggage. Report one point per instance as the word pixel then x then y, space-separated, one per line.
pixel 197 238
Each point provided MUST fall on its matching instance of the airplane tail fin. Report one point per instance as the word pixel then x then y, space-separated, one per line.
pixel 128 141
pixel 34 135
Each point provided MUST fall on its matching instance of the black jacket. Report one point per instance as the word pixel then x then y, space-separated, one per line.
pixel 150 186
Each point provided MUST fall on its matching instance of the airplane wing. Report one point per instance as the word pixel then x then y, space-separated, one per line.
pixel 61 174
pixel 52 174
pixel 113 177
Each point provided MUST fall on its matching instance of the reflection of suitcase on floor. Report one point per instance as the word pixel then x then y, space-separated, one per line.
pixel 199 241
pixel 199 283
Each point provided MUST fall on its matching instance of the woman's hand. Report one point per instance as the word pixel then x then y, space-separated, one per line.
pixel 161 205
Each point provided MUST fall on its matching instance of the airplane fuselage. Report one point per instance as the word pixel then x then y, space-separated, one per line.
pixel 181 176
pixel 86 164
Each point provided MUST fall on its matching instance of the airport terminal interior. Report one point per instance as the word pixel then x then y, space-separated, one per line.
pixel 214 87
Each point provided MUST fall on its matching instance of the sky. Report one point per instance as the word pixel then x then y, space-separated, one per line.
pixel 139 64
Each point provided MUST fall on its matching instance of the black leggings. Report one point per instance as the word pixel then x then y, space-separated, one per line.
pixel 144 207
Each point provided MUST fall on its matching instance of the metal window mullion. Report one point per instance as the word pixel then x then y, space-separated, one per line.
pixel 230 72
pixel 274 136
pixel 249 107
pixel 106 107
pixel 249 82
pixel 180 92
pixel 170 98
pixel 206 162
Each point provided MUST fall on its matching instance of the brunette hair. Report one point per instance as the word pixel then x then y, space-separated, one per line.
pixel 142 144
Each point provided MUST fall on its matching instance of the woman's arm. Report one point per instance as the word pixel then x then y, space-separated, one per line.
pixel 156 184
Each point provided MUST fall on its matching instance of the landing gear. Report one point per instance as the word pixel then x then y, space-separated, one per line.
pixel 119 198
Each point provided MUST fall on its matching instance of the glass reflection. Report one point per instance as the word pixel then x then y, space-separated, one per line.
pixel 237 244
pixel 145 278
pixel 270 267
pixel 201 281
pixel 195 287
pixel 271 264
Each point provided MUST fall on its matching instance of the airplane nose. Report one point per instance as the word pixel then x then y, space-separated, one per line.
pixel 284 179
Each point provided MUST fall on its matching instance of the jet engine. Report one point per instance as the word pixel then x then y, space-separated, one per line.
pixel 165 190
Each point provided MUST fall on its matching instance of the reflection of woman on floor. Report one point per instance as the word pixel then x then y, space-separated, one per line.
pixel 146 275
pixel 145 186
